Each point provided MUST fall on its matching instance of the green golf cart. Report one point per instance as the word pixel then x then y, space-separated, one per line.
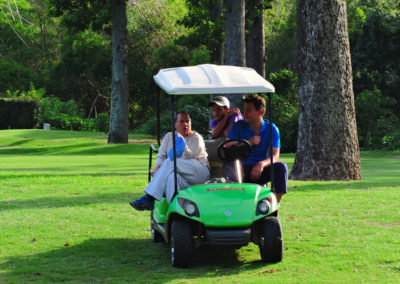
pixel 218 212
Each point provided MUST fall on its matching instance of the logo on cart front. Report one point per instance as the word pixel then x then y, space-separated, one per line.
pixel 228 212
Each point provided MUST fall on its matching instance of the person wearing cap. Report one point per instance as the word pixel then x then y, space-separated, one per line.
pixel 223 117
pixel 220 126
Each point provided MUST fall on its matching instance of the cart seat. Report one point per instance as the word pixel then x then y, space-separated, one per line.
pixel 216 164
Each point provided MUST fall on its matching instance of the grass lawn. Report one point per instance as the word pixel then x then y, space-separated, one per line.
pixel 65 217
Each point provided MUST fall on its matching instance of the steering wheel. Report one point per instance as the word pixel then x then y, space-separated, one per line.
pixel 233 149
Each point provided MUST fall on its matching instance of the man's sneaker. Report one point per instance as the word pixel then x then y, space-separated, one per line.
pixel 146 202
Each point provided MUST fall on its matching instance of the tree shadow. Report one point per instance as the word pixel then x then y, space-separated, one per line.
pixel 17 143
pixel 139 174
pixel 119 260
pixel 90 148
pixel 340 185
pixel 68 201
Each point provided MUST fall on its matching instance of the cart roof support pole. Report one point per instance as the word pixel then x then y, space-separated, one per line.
pixel 158 118
pixel 173 145
pixel 270 142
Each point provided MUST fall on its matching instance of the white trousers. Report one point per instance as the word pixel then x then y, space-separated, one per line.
pixel 189 171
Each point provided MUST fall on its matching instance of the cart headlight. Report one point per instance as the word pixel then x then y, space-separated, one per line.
pixel 263 206
pixel 189 207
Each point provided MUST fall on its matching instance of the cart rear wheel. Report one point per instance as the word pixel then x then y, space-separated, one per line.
pixel 181 243
pixel 271 244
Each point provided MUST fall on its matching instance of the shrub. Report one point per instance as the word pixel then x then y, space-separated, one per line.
pixel 61 115
pixel 150 127
pixel 374 118
pixel 285 108
pixel 392 142
pixel 102 122
pixel 19 113
pixel 88 124
pixel 199 113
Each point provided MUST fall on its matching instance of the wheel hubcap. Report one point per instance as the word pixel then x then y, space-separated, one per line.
pixel 172 250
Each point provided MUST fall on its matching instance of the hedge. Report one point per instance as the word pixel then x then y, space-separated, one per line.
pixel 19 113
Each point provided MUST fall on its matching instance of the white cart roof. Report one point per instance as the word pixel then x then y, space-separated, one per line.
pixel 211 79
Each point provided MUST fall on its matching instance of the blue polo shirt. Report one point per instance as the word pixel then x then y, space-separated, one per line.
pixel 243 130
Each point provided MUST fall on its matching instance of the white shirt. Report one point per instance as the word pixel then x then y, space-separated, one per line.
pixel 195 148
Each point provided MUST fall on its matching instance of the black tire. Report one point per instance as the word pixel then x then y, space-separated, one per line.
pixel 271 243
pixel 181 243
pixel 156 236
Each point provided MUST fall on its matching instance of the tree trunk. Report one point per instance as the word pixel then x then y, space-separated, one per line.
pixel 119 90
pixel 255 37
pixel 235 51
pixel 327 145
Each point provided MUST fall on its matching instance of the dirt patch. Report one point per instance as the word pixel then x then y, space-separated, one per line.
pixel 396 224
pixel 142 141
pixel 386 225
pixel 363 189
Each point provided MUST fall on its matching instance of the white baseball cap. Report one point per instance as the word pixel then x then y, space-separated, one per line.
pixel 220 100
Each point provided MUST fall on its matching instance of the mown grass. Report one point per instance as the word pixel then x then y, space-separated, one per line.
pixel 64 217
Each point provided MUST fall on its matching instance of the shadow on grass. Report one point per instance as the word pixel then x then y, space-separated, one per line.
pixel 91 148
pixel 120 260
pixel 67 201
pixel 133 174
pixel 340 185
pixel 18 143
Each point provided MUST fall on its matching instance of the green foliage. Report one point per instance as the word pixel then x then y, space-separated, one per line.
pixel 374 29
pixel 14 76
pixel 86 54
pixel 18 113
pixel 64 47
pixel 85 70
pixel 206 26
pixel 196 106
pixel 67 116
pixel 280 34
pixel 200 56
pixel 31 94
pixel 28 44
pixel 285 108
pixel 82 14
pixel 375 120
pixel 150 127
pixel 102 122
pixel 392 142
pixel 200 115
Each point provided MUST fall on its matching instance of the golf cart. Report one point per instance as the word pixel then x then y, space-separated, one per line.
pixel 218 212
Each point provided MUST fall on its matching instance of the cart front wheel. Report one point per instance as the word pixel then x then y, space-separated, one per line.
pixel 271 245
pixel 181 243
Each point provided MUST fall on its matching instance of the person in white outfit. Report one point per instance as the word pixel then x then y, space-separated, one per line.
pixel 191 164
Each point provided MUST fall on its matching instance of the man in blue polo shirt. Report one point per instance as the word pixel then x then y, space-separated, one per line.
pixel 255 129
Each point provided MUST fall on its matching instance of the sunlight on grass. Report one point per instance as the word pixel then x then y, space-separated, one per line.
pixel 64 216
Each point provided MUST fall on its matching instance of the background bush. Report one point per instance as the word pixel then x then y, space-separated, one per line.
pixel 68 116
pixel 102 122
pixel 19 113
pixel 285 108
